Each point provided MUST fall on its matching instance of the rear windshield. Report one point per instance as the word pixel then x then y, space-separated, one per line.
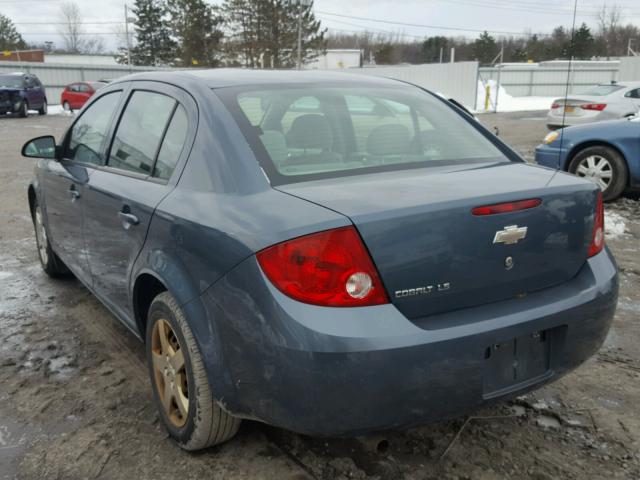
pixel 10 81
pixel 97 85
pixel 319 132
pixel 603 90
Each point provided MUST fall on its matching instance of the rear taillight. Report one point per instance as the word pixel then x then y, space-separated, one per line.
pixel 594 106
pixel 597 237
pixel 555 105
pixel 330 268
pixel 506 207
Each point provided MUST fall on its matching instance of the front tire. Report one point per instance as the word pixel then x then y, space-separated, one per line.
pixel 50 262
pixel 24 110
pixel 179 381
pixel 66 107
pixel 603 166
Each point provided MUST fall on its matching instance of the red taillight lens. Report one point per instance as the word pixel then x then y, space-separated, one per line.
pixel 597 237
pixel 594 106
pixel 555 105
pixel 506 207
pixel 331 269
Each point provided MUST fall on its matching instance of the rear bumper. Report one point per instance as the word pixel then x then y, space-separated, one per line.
pixel 334 372
pixel 556 121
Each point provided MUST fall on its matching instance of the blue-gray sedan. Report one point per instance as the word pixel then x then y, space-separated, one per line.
pixel 333 254
pixel 606 153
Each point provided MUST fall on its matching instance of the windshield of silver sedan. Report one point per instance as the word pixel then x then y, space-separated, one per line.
pixel 328 130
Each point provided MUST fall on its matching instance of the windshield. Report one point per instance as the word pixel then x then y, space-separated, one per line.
pixel 603 90
pixel 309 133
pixel 10 81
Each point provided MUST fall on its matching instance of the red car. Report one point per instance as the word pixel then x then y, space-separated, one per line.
pixel 75 95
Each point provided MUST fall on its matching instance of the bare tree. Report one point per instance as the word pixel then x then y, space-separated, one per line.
pixel 72 31
pixel 608 23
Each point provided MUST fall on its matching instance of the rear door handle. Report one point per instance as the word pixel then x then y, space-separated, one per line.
pixel 128 219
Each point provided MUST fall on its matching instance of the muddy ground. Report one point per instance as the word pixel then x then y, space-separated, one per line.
pixel 75 400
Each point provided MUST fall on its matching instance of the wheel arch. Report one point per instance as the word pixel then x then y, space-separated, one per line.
pixel 146 287
pixel 596 143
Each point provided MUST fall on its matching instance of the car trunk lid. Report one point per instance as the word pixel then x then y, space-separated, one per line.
pixel 433 254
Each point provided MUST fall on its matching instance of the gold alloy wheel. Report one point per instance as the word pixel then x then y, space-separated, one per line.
pixel 169 372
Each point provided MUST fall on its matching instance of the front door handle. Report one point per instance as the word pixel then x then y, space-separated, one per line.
pixel 73 193
pixel 128 219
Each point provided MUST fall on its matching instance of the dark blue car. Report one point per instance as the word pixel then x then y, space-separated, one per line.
pixel 21 92
pixel 606 153
pixel 332 254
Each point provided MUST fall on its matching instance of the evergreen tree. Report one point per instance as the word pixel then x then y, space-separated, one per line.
pixel 485 48
pixel 265 32
pixel 10 39
pixel 196 27
pixel 154 45
pixel 583 43
pixel 431 48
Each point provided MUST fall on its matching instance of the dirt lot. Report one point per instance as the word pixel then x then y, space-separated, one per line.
pixel 75 400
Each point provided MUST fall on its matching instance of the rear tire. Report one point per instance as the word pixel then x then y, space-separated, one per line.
pixel 50 262
pixel 179 381
pixel 43 108
pixel 603 166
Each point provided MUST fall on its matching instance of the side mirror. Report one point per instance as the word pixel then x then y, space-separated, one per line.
pixel 41 147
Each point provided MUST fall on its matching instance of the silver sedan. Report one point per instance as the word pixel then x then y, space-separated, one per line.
pixel 603 102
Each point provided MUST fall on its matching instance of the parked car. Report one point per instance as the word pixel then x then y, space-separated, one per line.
pixel 606 153
pixel 605 102
pixel 75 95
pixel 21 92
pixel 328 253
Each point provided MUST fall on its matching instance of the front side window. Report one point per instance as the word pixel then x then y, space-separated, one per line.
pixel 88 133
pixel 140 132
pixel 307 133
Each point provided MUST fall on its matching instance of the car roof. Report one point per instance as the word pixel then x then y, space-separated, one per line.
pixel 231 77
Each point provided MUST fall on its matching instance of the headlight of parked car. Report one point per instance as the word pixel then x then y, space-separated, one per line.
pixel 550 138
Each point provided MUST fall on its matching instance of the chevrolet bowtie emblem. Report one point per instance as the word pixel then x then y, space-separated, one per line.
pixel 510 235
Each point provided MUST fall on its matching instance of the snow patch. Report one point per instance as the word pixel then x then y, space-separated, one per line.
pixel 508 103
pixel 614 225
pixel 57 110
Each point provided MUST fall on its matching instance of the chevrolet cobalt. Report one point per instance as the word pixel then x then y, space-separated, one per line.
pixel 328 253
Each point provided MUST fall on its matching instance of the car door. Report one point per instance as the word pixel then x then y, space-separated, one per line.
pixel 31 93
pixel 121 197
pixel 84 93
pixel 64 181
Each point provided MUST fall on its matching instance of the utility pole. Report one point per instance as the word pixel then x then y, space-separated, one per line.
pixel 126 32
pixel 299 34
pixel 301 4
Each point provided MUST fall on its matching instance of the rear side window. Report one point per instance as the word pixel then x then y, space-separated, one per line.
pixel 140 132
pixel 89 131
pixel 635 93
pixel 172 144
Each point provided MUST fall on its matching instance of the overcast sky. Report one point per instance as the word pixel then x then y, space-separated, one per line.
pixel 35 18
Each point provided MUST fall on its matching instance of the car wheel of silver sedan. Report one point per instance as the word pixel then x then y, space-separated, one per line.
pixel 603 166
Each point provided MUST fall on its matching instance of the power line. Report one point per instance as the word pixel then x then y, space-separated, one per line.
pixel 420 25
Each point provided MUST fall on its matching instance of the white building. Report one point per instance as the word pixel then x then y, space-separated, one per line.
pixel 336 58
